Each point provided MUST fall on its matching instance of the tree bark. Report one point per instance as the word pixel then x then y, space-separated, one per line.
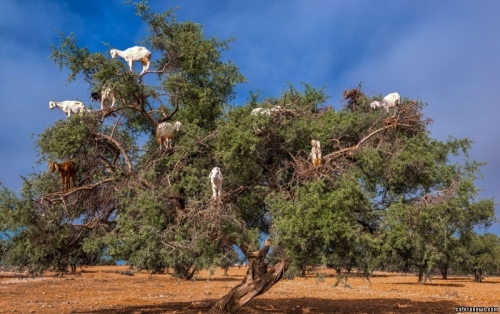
pixel 257 280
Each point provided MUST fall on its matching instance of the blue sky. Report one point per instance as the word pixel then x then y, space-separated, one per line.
pixel 445 53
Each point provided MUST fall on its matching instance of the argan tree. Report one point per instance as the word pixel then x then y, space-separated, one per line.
pixel 154 208
pixel 478 255
pixel 421 232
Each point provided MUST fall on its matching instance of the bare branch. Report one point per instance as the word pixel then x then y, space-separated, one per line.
pixel 59 196
pixel 175 101
pixel 119 146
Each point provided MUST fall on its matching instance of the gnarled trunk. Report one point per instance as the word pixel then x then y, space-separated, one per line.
pixel 257 280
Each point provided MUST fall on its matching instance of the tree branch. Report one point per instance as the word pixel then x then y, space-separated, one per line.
pixel 61 195
pixel 176 108
pixel 349 150
pixel 119 146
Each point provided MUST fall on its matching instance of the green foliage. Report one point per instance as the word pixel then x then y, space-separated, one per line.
pixel 38 240
pixel 419 231
pixel 202 82
pixel 478 254
pixel 65 138
pixel 228 258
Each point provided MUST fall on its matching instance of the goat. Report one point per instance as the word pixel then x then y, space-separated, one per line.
pixel 377 104
pixel 67 170
pixel 104 97
pixel 316 153
pixel 260 111
pixel 390 101
pixel 265 111
pixel 135 53
pixel 165 133
pixel 216 180
pixel 69 106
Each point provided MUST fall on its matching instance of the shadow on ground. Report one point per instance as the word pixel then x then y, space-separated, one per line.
pixel 303 305
pixel 430 283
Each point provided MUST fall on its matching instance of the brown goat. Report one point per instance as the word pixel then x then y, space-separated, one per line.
pixel 165 133
pixel 67 170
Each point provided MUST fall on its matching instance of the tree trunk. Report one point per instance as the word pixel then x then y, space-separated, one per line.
pixel 184 271
pixel 257 280
pixel 421 274
pixel 478 275
pixel 349 268
pixel 443 268
pixel 444 273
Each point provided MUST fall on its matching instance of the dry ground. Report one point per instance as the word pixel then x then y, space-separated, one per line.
pixel 104 290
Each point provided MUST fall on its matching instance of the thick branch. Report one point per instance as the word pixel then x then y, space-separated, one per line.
pixel 119 146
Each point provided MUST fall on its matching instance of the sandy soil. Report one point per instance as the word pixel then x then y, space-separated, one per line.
pixel 104 289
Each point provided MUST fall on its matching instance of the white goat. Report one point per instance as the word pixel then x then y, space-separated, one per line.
pixel 69 106
pixel 105 97
pixel 135 53
pixel 165 133
pixel 265 111
pixel 216 180
pixel 316 153
pixel 377 104
pixel 390 101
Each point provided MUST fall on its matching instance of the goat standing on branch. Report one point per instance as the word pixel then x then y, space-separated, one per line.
pixel 390 101
pixel 274 111
pixel 67 170
pixel 165 133
pixel 133 54
pixel 105 97
pixel 216 180
pixel 265 111
pixel 316 153
pixel 69 106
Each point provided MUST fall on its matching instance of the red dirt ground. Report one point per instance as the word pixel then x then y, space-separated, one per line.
pixel 103 289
